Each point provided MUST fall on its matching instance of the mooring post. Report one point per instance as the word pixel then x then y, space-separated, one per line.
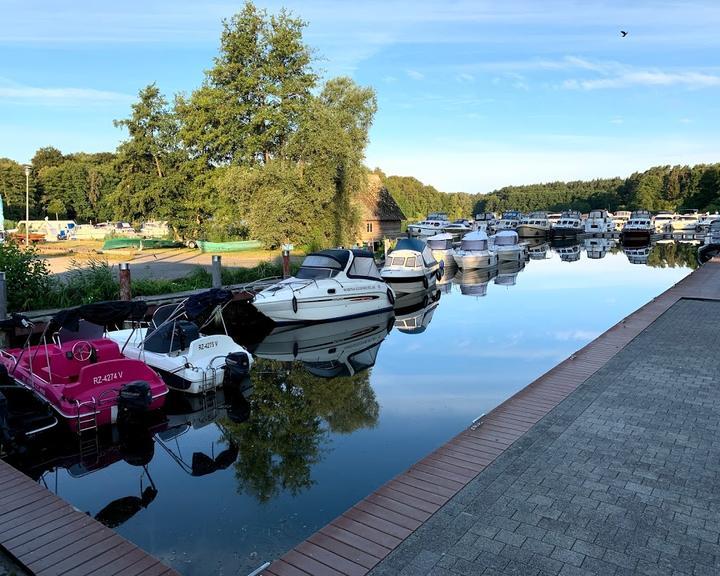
pixel 125 283
pixel 286 248
pixel 3 307
pixel 385 248
pixel 216 271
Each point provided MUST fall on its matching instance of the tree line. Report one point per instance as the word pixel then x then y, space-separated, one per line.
pixel 262 149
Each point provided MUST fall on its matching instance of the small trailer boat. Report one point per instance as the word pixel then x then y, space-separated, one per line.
pixel 331 285
pixel 508 247
pixel 411 267
pixel 173 344
pixel 83 376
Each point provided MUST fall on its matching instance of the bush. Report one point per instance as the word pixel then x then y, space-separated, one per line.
pixel 26 276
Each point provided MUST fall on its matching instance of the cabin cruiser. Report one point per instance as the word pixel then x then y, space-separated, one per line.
pixel 83 376
pixel 569 225
pixel 331 285
pixel 413 312
pixel 663 221
pixel 508 248
pixel 174 345
pixel 507 273
pixel 639 254
pixel 597 248
pixel 621 217
pixel 474 252
pixel 554 218
pixel 599 222
pixel 639 227
pixel 686 221
pixel 457 227
pixel 411 267
pixel 510 220
pixel 475 282
pixel 342 348
pixel 433 224
pixel 711 243
pixel 534 225
pixel 705 221
pixel 486 221
pixel 441 246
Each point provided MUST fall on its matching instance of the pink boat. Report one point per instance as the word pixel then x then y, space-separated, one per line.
pixel 86 380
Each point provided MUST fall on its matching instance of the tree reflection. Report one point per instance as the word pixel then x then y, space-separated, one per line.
pixel 291 414
pixel 673 255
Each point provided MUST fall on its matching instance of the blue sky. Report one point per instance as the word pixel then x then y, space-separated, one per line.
pixel 472 95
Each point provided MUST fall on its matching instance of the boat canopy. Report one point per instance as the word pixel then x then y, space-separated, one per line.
pixel 477 240
pixel 99 313
pixel 196 304
pixel 416 245
pixel 440 241
pixel 363 266
pixel 506 238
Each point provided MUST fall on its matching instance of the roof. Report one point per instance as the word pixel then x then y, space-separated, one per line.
pixel 476 235
pixel 441 236
pixel 377 203
pixel 507 234
pixel 410 244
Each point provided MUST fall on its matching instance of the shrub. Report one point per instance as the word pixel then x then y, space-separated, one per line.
pixel 26 276
pixel 84 283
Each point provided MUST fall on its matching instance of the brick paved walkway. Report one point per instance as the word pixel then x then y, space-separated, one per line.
pixel 620 478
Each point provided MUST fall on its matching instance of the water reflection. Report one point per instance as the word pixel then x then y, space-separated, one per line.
pixel 445 283
pixel 637 254
pixel 597 248
pixel 508 272
pixel 413 312
pixel 568 250
pixel 475 282
pixel 538 248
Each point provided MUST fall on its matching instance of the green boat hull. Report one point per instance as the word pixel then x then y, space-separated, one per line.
pixel 118 243
pixel 229 246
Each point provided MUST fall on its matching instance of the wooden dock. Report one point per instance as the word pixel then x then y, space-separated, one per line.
pixel 353 543
pixel 47 536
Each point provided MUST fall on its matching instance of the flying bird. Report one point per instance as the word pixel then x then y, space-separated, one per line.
pixel 623 33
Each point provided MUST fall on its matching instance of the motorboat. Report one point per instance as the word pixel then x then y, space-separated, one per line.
pixel 663 221
pixel 599 222
pixel 331 285
pixel 510 220
pixel 486 221
pixel 706 220
pixel 433 224
pixel 410 267
pixel 638 254
pixel 554 218
pixel 508 248
pixel 686 221
pixel 414 312
pixel 569 225
pixel 711 243
pixel 475 282
pixel 639 228
pixel 441 246
pixel 342 348
pixel 458 227
pixel 474 252
pixel 82 375
pixel 621 217
pixel 173 344
pixel 534 225
pixel 597 248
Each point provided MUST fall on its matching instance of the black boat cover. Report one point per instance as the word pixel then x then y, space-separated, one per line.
pixel 196 304
pixel 15 321
pixel 100 313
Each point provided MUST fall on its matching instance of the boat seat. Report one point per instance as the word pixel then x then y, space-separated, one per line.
pixel 65 368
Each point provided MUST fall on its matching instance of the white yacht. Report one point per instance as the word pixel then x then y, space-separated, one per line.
pixel 475 282
pixel 509 221
pixel 621 217
pixel 534 225
pixel 413 312
pixel 599 222
pixel 410 267
pixel 639 227
pixel 663 221
pixel 686 221
pixel 554 218
pixel 174 346
pixel 569 225
pixel 331 285
pixel 508 248
pixel 486 221
pixel 474 252
pixel 458 227
pixel 433 224
pixel 441 246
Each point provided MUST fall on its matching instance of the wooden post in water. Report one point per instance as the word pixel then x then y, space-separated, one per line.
pixel 286 248
pixel 216 271
pixel 125 283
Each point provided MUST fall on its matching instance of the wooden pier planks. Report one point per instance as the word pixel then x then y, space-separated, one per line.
pixel 357 540
pixel 48 536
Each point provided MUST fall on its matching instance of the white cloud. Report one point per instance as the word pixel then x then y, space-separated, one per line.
pixel 465 77
pixel 60 96
pixel 415 75
pixel 646 78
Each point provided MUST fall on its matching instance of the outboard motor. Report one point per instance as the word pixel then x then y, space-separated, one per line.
pixel 237 367
pixel 135 397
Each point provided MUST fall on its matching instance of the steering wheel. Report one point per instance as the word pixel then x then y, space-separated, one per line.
pixel 82 350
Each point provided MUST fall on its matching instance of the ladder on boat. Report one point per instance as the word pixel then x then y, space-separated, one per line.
pixel 87 426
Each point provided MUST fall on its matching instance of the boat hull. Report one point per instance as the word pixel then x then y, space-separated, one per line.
pixel 529 231
pixel 514 254
pixel 445 256
pixel 409 283
pixel 475 261
pixel 562 232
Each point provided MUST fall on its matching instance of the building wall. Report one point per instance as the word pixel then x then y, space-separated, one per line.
pixel 380 229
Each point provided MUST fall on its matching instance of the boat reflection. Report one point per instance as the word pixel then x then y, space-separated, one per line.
pixel 638 254
pixel 413 312
pixel 329 350
pixel 568 249
pixel 445 283
pixel 538 248
pixel 475 282
pixel 508 272
pixel 597 248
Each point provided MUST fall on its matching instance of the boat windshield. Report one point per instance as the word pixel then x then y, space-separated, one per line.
pixel 509 240
pixel 364 268
pixel 474 244
pixel 316 267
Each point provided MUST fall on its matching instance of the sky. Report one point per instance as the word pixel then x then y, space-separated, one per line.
pixel 473 95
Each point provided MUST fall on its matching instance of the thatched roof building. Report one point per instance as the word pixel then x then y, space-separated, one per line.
pixel 382 217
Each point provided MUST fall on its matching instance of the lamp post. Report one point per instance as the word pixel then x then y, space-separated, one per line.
pixel 27 204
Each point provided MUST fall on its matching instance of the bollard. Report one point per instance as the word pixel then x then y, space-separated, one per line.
pixel 286 248
pixel 216 271
pixel 125 283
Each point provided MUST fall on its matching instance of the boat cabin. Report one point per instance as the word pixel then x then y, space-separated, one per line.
pixel 477 240
pixel 329 263
pixel 442 241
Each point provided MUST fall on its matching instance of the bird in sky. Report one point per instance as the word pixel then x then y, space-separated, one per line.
pixel 623 33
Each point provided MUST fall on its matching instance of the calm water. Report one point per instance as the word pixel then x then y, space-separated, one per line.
pixel 222 487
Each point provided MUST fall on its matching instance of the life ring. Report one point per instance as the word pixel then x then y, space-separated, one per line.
pixel 391 296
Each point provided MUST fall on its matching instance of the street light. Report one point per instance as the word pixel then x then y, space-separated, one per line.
pixel 27 203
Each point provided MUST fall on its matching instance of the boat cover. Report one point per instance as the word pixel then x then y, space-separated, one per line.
pixel 100 313
pixel 477 240
pixel 506 238
pixel 196 304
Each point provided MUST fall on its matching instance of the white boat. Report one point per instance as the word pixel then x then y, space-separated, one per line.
pixel 410 267
pixel 706 220
pixel 711 243
pixel 433 224
pixel 538 250
pixel 534 225
pixel 686 221
pixel 508 248
pixel 663 221
pixel 413 312
pixel 621 217
pixel 174 346
pixel 475 282
pixel 640 227
pixel 331 285
pixel 569 225
pixel 474 252
pixel 508 272
pixel 554 218
pixel 458 227
pixel 509 221
pixel 441 246
pixel 328 350
pixel 597 248
pixel 599 222
pixel 486 221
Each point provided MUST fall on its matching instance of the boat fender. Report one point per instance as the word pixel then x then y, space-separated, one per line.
pixel 294 304
pixel 391 296
pixel 439 274
pixel 296 349
pixel 425 282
